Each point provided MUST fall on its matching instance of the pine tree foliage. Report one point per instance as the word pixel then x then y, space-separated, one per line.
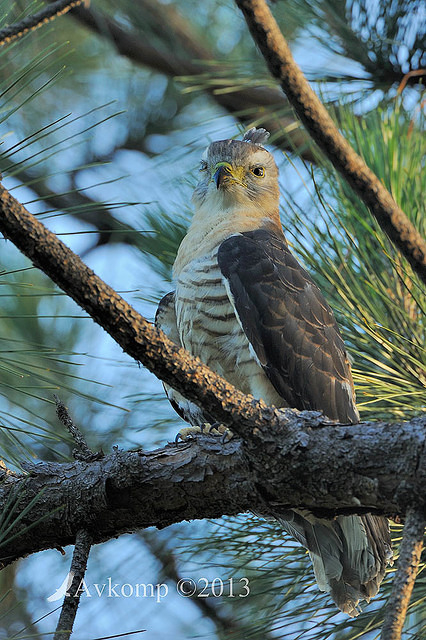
pixel 380 302
pixel 380 306
pixel 57 133
pixel 33 366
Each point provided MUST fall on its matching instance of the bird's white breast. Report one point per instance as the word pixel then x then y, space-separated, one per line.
pixel 209 328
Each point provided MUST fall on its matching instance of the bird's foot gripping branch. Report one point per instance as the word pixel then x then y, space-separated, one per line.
pixel 288 459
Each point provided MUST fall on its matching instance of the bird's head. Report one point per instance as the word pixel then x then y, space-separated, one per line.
pixel 238 192
pixel 238 173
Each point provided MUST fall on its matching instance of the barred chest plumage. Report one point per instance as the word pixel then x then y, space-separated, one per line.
pixel 209 328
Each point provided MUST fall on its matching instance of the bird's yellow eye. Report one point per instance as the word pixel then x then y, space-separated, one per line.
pixel 203 165
pixel 259 172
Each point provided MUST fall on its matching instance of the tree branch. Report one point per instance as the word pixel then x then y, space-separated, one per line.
pixel 320 125
pixel 123 492
pixel 262 104
pixel 403 583
pixel 31 23
pixel 69 609
pixel 137 337
pixel 82 450
pixel 285 458
pixel 329 470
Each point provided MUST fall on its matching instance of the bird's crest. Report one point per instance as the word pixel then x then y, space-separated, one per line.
pixel 256 136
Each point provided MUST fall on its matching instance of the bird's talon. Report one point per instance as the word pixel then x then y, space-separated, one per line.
pixel 227 436
pixel 219 429
pixel 214 429
pixel 188 433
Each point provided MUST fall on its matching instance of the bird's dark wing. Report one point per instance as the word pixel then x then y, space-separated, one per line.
pixel 289 324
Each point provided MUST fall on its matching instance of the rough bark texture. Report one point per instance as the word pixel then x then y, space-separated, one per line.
pixel 321 127
pixel 31 23
pixel 137 337
pixel 287 459
pixel 123 492
pixel 297 462
pixel 387 462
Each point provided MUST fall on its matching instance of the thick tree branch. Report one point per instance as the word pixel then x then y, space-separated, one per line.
pixel 320 125
pixel 285 459
pixel 327 469
pixel 124 492
pixel 408 564
pixel 137 337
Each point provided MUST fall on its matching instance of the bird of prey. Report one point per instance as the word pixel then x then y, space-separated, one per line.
pixel 250 312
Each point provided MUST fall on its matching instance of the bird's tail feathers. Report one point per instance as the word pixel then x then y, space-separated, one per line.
pixel 349 554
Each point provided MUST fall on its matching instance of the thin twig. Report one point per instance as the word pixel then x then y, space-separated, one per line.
pixel 31 23
pixel 414 73
pixel 80 556
pixel 82 450
pixel 403 583
pixel 321 127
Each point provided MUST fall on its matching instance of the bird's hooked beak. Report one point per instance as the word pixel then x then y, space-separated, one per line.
pixel 224 172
